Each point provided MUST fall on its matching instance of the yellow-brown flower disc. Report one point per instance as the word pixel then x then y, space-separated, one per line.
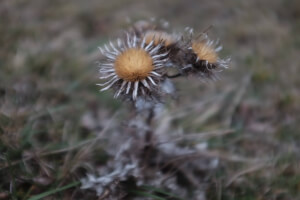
pixel 205 52
pixel 132 68
pixel 159 37
pixel 133 64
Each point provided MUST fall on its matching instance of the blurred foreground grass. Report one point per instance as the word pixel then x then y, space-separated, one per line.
pixel 51 110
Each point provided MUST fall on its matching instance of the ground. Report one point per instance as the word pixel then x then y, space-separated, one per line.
pixel 51 109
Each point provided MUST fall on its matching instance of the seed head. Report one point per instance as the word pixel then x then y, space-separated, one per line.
pixel 133 68
pixel 133 64
pixel 200 56
pixel 204 52
pixel 159 37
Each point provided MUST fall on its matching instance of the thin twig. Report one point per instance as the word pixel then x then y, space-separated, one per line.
pixel 174 76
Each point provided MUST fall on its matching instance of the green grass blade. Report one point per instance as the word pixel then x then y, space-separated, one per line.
pixel 145 194
pixel 153 189
pixel 42 195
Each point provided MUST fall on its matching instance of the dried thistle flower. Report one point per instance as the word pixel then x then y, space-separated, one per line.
pixel 160 37
pixel 201 56
pixel 142 26
pixel 137 68
pixel 134 68
pixel 205 51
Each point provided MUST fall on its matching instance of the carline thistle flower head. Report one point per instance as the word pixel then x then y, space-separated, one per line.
pixel 207 51
pixel 133 67
pixel 203 56
pixel 160 37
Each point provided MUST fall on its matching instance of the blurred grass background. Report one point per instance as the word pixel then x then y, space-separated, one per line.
pixel 50 105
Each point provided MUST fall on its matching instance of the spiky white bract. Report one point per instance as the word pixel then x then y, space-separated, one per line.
pixel 132 66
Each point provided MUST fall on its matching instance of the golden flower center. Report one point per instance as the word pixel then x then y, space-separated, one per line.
pixel 159 37
pixel 205 52
pixel 133 65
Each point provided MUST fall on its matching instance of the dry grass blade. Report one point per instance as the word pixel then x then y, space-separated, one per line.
pixel 212 154
pixel 236 100
pixel 247 171
pixel 199 136
pixel 213 109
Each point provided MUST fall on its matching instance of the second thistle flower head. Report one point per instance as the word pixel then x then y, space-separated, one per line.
pixel 202 56
pixel 206 51
pixel 207 60
pixel 133 68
